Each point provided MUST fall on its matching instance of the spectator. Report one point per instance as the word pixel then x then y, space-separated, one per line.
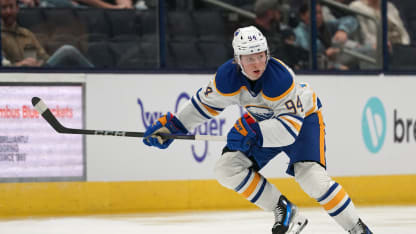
pixel 28 3
pixel 397 33
pixel 4 61
pixel 22 48
pixel 331 34
pixel 335 13
pixel 107 4
pixel 267 19
pixel 290 53
pixel 280 36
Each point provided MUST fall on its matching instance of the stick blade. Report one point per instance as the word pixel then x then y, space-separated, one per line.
pixel 39 105
pixel 35 100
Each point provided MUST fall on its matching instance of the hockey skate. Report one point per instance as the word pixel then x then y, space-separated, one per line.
pixel 360 228
pixel 287 218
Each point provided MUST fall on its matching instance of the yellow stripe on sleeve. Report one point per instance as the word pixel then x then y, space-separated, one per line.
pixel 210 110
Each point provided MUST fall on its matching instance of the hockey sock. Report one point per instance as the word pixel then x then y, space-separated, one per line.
pixel 339 206
pixel 258 190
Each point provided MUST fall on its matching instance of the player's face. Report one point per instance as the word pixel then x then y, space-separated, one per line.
pixel 254 64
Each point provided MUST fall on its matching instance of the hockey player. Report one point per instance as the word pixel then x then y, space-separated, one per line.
pixel 283 116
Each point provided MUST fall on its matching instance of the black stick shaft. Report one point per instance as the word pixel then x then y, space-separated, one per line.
pixel 46 113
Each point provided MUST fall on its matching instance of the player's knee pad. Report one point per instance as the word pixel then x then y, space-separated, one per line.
pixel 312 178
pixel 231 168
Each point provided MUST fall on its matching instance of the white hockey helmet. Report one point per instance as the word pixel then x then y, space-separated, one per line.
pixel 249 40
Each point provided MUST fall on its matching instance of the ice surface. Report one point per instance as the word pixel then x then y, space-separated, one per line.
pixel 382 220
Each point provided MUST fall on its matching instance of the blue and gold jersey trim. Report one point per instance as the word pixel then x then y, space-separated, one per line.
pixel 228 79
pixel 229 94
pixel 204 109
pixel 280 96
pixel 278 81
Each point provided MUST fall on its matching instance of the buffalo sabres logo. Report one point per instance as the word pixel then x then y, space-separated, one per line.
pixel 260 113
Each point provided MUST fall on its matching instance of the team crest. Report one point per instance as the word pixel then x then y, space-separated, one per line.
pixel 260 113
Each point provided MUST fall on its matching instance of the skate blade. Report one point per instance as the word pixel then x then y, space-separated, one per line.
pixel 298 225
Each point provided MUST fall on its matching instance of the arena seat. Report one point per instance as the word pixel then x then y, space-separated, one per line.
pixel 210 26
pixel 214 53
pixel 184 55
pixel 180 26
pixel 95 20
pixel 122 22
pixel 100 55
pixel 148 25
pixel 60 16
pixel 125 53
pixel 32 19
pixel 63 21
pixel 149 54
pixel 402 57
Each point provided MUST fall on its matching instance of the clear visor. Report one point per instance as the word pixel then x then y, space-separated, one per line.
pixel 253 58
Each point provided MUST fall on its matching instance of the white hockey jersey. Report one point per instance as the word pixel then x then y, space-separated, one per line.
pixel 276 101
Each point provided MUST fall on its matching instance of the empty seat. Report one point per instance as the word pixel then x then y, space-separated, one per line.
pixel 180 26
pixel 214 53
pixel 125 53
pixel 60 16
pixel 85 39
pixel 93 37
pixel 100 55
pixel 402 57
pixel 32 19
pixel 149 54
pixel 63 21
pixel 125 38
pixel 137 55
pixel 210 26
pixel 95 20
pixel 122 22
pixel 148 25
pixel 184 55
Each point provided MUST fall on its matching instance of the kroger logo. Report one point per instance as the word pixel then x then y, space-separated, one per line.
pixel 374 124
pixel 213 127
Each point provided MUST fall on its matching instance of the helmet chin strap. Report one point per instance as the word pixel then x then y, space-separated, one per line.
pixel 242 69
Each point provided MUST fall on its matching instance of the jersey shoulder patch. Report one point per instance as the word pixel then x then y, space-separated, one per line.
pixel 278 82
pixel 228 79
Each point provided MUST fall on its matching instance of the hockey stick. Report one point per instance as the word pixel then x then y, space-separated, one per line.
pixel 41 107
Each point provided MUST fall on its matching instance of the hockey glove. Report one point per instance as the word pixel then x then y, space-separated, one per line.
pixel 244 134
pixel 166 124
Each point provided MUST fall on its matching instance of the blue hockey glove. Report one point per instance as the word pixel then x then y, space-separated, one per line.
pixel 244 134
pixel 166 124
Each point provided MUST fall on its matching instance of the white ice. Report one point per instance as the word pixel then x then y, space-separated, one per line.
pixel 382 220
